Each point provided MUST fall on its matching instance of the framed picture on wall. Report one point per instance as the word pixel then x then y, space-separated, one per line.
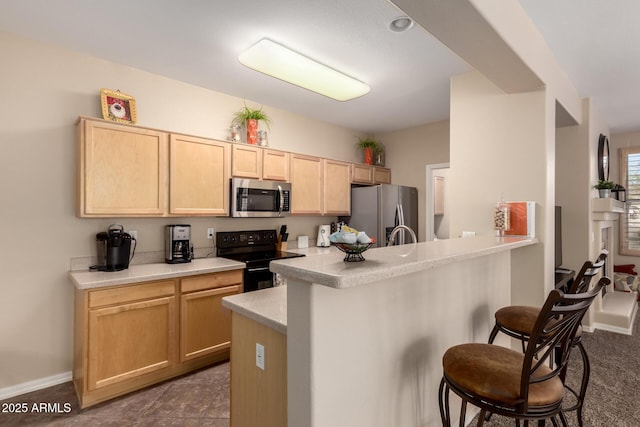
pixel 118 106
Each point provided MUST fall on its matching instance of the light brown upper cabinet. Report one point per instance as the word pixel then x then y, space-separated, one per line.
pixel 381 175
pixel 199 176
pixel 250 161
pixel 275 165
pixel 306 184
pixel 122 170
pixel 362 174
pixel 337 188
pixel 365 174
pixel 246 161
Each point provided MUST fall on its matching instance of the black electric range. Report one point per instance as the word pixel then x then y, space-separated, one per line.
pixel 256 249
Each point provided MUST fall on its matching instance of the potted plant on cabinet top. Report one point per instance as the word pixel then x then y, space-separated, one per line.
pixel 249 117
pixel 604 188
pixel 370 147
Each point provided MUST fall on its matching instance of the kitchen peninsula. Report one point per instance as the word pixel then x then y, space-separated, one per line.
pixel 364 340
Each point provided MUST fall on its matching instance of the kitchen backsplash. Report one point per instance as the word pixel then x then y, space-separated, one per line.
pixel 83 263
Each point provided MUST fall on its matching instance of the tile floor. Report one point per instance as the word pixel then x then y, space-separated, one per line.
pixel 197 399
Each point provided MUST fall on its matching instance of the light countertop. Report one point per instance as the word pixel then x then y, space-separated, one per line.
pixel 385 263
pixel 315 250
pixel 266 306
pixel 88 279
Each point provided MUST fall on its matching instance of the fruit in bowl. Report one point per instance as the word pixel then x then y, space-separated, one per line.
pixel 349 236
pixel 352 242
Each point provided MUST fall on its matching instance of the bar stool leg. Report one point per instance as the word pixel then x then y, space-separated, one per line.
pixel 584 383
pixel 493 334
pixel 443 400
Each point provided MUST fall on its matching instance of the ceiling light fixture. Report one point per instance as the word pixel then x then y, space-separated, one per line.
pixel 400 24
pixel 277 61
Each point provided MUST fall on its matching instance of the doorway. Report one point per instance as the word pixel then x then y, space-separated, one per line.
pixel 437 222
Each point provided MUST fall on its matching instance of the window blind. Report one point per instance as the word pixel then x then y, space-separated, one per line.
pixel 630 221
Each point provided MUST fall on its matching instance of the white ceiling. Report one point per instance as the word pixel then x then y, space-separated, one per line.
pixel 198 41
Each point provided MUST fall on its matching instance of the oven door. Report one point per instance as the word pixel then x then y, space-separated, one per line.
pixel 256 278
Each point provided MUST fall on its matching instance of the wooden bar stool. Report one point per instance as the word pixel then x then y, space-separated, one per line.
pixel 502 381
pixel 518 321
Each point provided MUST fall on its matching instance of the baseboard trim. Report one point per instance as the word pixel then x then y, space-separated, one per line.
pixel 39 384
pixel 616 329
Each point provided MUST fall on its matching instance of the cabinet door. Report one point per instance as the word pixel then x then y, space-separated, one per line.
pixel 199 176
pixel 306 184
pixel 362 174
pixel 246 161
pixel 381 175
pixel 337 188
pixel 122 170
pixel 130 340
pixel 205 325
pixel 275 165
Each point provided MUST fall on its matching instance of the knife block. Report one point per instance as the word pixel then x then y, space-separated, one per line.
pixel 281 246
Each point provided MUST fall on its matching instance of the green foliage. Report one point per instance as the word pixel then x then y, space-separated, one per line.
pixel 247 113
pixel 369 143
pixel 605 185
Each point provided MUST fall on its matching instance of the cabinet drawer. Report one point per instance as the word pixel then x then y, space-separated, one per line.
pixel 208 281
pixel 131 293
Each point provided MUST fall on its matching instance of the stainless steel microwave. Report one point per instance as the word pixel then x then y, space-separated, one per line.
pixel 254 198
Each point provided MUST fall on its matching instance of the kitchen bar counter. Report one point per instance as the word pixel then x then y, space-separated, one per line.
pixel 387 263
pixel 378 329
pixel 88 279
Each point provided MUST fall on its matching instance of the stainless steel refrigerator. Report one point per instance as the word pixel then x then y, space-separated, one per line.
pixel 376 210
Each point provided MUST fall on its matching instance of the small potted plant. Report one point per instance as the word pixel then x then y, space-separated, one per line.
pixel 370 147
pixel 604 188
pixel 249 117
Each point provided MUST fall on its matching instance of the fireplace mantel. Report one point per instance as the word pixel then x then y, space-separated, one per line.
pixel 606 209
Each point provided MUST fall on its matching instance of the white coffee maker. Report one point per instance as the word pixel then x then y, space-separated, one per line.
pixel 323 236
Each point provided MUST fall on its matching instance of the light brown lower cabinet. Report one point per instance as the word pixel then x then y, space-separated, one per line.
pixel 201 304
pixel 258 396
pixel 131 336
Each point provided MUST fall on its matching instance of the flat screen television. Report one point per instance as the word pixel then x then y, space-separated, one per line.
pixel 558 246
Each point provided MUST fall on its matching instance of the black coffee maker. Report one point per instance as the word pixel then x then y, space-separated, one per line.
pixel 178 247
pixel 114 249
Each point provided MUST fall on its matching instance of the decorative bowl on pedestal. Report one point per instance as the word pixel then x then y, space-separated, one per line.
pixel 354 251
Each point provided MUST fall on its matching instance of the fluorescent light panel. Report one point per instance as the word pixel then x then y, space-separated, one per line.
pixel 277 61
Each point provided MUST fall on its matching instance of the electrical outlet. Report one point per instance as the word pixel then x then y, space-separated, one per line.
pixel 210 233
pixel 260 356
pixel 134 234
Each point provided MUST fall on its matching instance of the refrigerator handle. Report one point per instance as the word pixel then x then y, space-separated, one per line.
pixel 400 221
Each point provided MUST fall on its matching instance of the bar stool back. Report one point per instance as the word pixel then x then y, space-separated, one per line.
pixel 506 382
pixel 518 321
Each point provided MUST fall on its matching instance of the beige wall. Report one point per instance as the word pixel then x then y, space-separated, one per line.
pixel 409 151
pixel 500 147
pixel 574 175
pixel 44 89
